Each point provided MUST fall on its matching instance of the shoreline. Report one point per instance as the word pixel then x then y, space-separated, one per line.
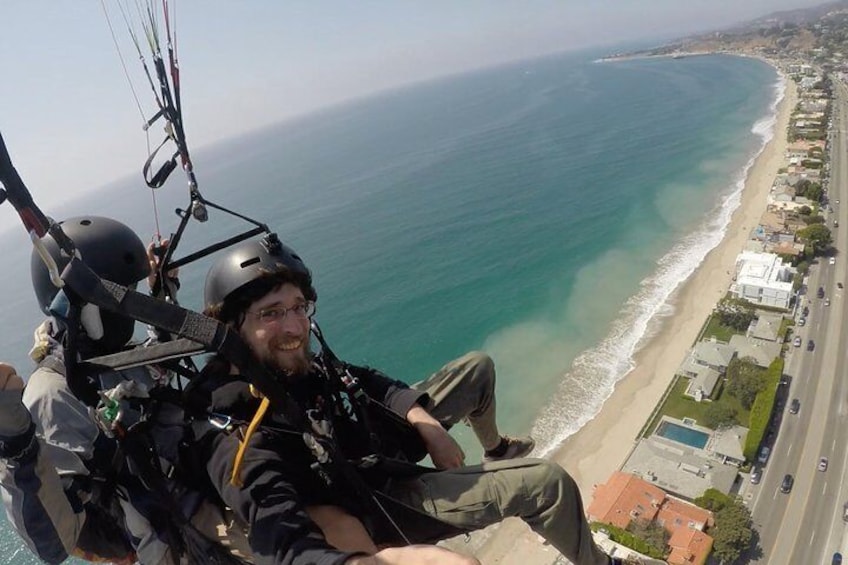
pixel 601 446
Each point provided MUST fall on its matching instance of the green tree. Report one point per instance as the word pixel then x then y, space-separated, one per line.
pixel 810 220
pixel 805 210
pixel 816 236
pixel 718 415
pixel 652 533
pixel 815 192
pixel 802 186
pixel 735 314
pixel 732 532
pixel 745 380
pixel 713 500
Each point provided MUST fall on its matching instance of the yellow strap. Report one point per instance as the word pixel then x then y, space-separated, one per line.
pixel 235 479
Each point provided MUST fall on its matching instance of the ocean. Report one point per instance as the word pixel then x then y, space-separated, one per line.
pixel 542 211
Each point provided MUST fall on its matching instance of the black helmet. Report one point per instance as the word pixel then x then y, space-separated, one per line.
pixel 253 261
pixel 110 249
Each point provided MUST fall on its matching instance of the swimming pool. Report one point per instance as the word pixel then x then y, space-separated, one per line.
pixel 682 434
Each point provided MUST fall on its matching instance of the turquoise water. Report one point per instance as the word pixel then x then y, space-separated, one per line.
pixel 543 212
pixel 682 434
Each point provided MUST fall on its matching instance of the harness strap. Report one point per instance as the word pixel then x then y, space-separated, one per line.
pixel 235 477
pixel 149 355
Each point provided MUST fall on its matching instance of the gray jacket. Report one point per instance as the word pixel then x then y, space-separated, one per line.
pixel 43 491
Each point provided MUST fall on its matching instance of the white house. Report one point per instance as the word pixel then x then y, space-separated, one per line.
pixel 762 278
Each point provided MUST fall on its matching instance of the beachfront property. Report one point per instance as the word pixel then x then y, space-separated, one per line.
pixel 625 498
pixel 766 326
pixel 704 366
pixel 763 279
pixel 761 352
pixel 686 459
pixel 680 469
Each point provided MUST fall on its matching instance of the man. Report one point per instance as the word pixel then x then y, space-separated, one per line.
pixel 284 460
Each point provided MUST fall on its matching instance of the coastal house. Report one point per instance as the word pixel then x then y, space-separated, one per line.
pixel 765 326
pixel 761 351
pixel 783 248
pixel 781 196
pixel 702 379
pixel 683 470
pixel 625 497
pixel 728 445
pixel 712 353
pixel 763 279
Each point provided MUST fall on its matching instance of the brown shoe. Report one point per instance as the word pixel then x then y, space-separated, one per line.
pixel 511 448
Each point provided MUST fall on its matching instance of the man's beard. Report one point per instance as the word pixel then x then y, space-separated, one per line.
pixel 291 364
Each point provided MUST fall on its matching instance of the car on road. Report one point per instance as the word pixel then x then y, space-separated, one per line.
pixel 832 261
pixel 764 454
pixel 786 485
pixel 845 512
pixel 837 559
pixel 827 301
pixel 839 285
pixel 810 345
pixel 802 321
pixel 806 311
pixel 756 475
pixel 822 464
pixel 794 406
pixel 797 341
pixel 820 292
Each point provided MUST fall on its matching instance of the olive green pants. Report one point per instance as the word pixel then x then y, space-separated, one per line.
pixel 464 389
pixel 539 492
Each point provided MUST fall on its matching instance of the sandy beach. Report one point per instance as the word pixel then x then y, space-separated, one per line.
pixel 601 446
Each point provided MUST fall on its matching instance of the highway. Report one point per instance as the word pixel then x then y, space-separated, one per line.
pixel 805 526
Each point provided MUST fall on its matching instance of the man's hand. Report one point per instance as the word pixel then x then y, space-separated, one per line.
pixel 9 378
pixel 443 449
pixel 414 555
pixel 14 417
pixel 155 252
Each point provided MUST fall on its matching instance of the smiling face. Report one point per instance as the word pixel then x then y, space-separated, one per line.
pixel 281 343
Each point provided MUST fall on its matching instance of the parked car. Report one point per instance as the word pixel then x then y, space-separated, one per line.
pixel 794 406
pixel 787 483
pixel 764 454
pixel 820 292
pixel 845 512
pixel 802 321
pixel 797 341
pixel 806 311
pixel 810 345
pixel 822 464
pixel 756 475
pixel 837 559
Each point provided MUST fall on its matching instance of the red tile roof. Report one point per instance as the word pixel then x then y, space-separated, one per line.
pixel 625 497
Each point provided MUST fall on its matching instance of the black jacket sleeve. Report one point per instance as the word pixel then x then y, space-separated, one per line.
pixel 395 394
pixel 280 531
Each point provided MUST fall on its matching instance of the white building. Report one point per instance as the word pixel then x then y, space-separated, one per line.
pixel 762 278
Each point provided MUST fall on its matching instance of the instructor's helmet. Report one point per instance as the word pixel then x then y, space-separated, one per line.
pixel 110 249
pixel 249 271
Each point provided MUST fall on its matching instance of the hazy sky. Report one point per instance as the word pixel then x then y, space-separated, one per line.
pixel 71 124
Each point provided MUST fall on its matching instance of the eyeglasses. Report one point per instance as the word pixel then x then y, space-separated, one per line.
pixel 278 313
